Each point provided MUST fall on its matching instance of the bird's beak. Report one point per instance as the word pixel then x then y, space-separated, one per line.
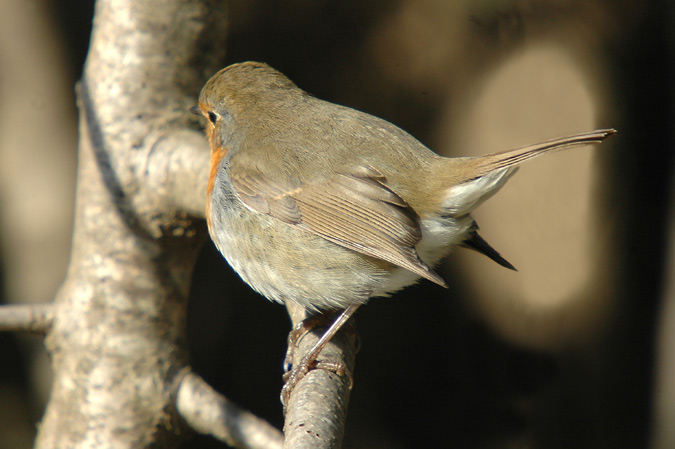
pixel 195 110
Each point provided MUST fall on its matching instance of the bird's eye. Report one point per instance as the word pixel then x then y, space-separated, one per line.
pixel 213 117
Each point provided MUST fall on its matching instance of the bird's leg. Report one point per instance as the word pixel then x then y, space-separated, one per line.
pixel 309 361
pixel 299 331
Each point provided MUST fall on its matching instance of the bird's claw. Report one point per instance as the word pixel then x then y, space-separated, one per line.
pixel 292 377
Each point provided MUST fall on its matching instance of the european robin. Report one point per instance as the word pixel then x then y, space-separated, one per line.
pixel 328 206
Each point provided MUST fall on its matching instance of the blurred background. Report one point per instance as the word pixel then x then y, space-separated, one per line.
pixel 577 349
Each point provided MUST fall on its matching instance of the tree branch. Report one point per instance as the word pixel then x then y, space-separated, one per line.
pixel 317 408
pixel 176 167
pixel 208 412
pixel 118 343
pixel 35 318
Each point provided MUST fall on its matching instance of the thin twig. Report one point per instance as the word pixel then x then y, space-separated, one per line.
pixel 208 412
pixel 317 408
pixel 35 318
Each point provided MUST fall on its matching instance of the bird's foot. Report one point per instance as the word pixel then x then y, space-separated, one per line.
pixel 292 377
pixel 309 360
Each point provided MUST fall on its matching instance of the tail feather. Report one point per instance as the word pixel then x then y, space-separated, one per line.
pixel 486 164
pixel 480 178
pixel 478 244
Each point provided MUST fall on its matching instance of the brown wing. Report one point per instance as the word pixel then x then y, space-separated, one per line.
pixel 355 210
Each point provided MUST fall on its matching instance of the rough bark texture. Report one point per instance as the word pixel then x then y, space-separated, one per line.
pixel 117 340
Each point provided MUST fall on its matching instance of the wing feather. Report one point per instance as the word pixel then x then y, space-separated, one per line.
pixel 356 210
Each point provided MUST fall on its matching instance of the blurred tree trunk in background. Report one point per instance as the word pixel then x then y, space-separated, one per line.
pixel 37 186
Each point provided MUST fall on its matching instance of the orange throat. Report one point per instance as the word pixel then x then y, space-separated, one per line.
pixel 217 155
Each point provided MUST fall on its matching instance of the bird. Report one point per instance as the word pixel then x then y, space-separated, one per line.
pixel 327 206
